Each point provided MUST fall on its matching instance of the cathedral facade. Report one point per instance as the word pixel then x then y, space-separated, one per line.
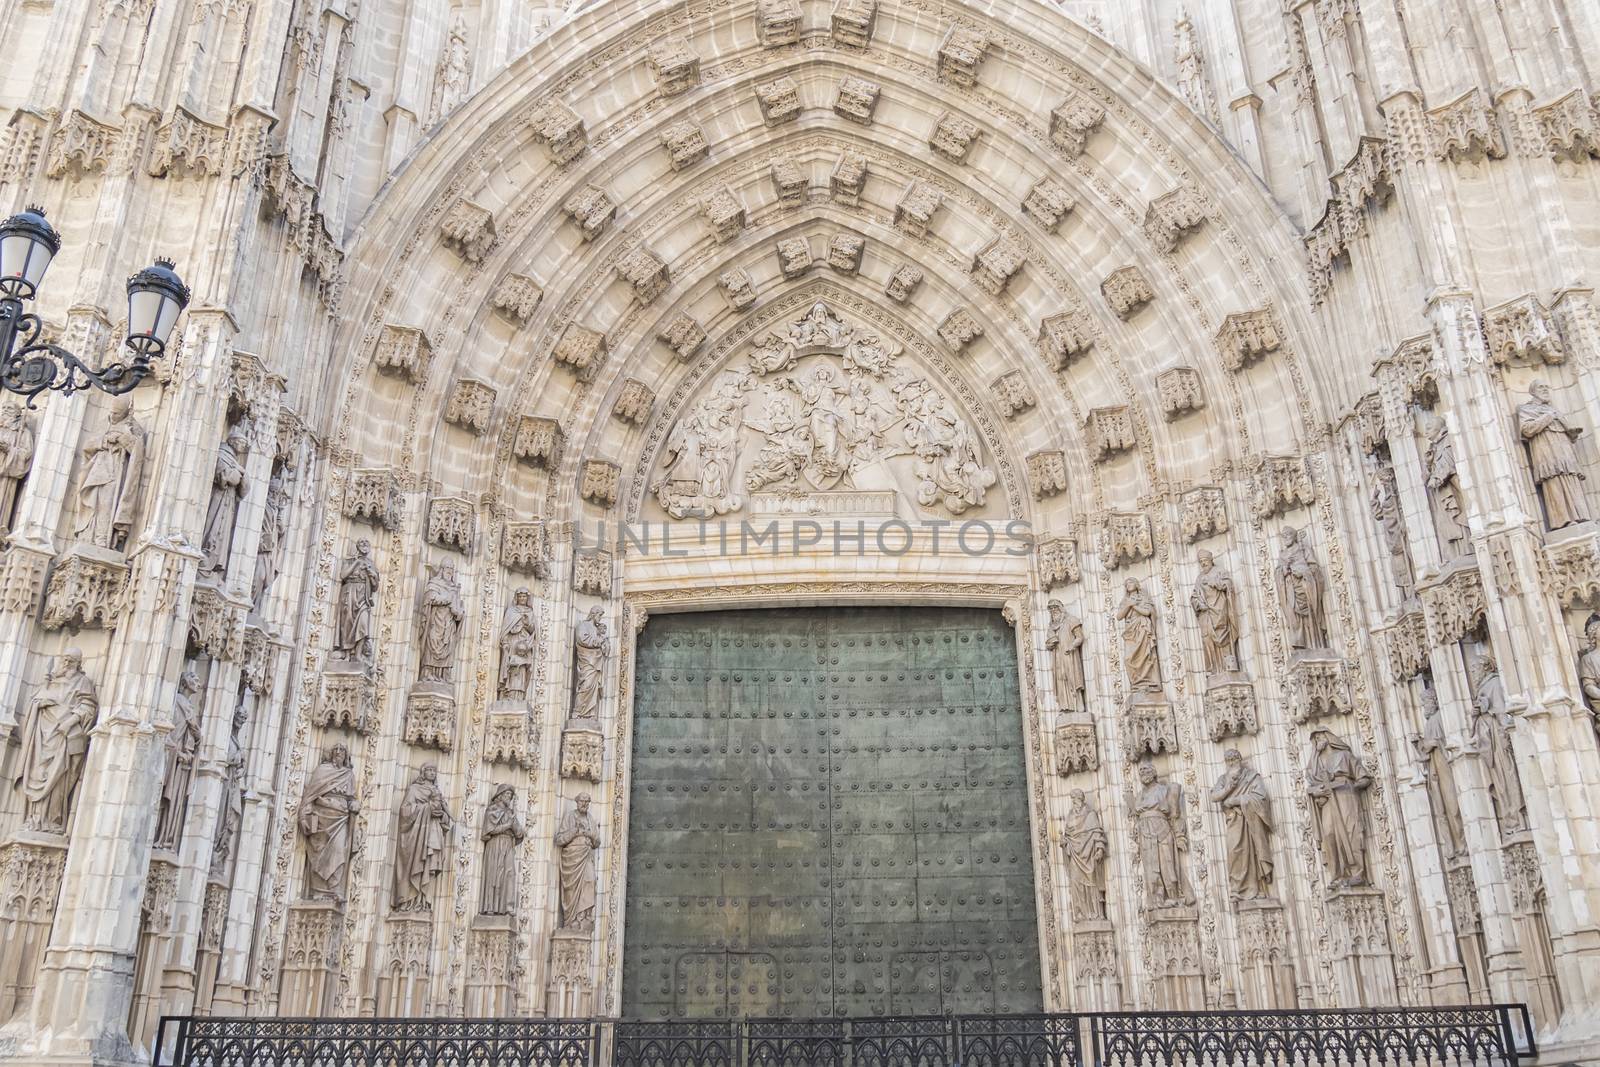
pixel 1088 507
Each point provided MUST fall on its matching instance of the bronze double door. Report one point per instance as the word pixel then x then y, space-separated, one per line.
pixel 829 817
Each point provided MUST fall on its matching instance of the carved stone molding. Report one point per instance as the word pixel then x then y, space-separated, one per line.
pixel 81 146
pixel 1466 130
pixel 1453 605
pixel 580 350
pixel 88 589
pixel 255 661
pixel 1047 473
pixel 1571 127
pixel 1110 432
pixel 1409 375
pixel 516 296
pixel 583 754
pixel 598 482
pixel 1406 642
pixel 430 718
pixel 1077 749
pixel 1178 392
pixel 1230 709
pixel 644 273
pixel 779 100
pixel 683 335
pixel 523 548
pixel 849 174
pixel 959 329
pixel 592 209
pixel 1149 727
pixel 471 405
pixel 1058 561
pixel 1572 569
pixel 953 136
pixel 512 736
pixel 996 264
pixel 674 65
pixel 1367 416
pixel 160 894
pixel 790 182
pixel 960 56
pixel 538 441
pixel 777 22
pixel 591 573
pixel 1048 202
pixel 1202 513
pixel 373 495
pixel 1012 393
pixel 856 99
pixel 737 289
pixel 31 866
pixel 685 144
pixel 1127 291
pixel 1247 336
pixel 1525 877
pixel 903 283
pixel 1281 484
pixel 186 145
pixel 1521 332
pixel 914 211
pixel 349 702
pixel 468 229
pixel 1173 217
pixel 452 523
pixel 1126 538
pixel 723 213
pixel 1073 122
pixel 845 251
pixel 216 624
pixel 633 402
pixel 1319 685
pixel 853 23
pixel 1065 337
pixel 794 257
pixel 560 130
pixel 403 352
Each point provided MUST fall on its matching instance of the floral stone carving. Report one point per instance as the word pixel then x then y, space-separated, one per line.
pixel 560 129
pixel 1058 561
pixel 1064 338
pixel 1047 473
pixel 996 264
pixel 685 144
pixel 847 178
pixel 523 548
pixel 856 99
pixel 683 335
pixel 1076 746
pixel 1178 392
pixel 953 137
pixel 516 297
pixel 452 523
pixel 86 589
pixel 538 441
pixel 1202 513
pixel 1127 538
pixel 790 182
pixel 1247 336
pixel 1072 123
pixel 598 482
pixel 960 56
pixel 581 350
pixel 914 211
pixel 373 495
pixel 959 329
pixel 592 209
pixel 1173 217
pixel 468 229
pixel 723 213
pixel 1012 393
pixel 1048 202
pixel 737 289
pixel 1110 432
pixel 853 23
pixel 779 100
pixel 1127 291
pixel 403 352
pixel 673 63
pixel 633 403
pixel 903 283
pixel 471 405
pixel 794 257
pixel 644 272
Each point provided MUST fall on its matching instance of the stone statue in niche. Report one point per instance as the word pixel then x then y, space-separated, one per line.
pixel 519 639
pixel 439 615
pixel 1491 739
pixel 1086 845
pixel 1215 608
pixel 222 513
pixel 1589 667
pixel 1437 757
pixel 327 817
pixel 1444 487
pixel 358 592
pixel 1335 780
pixel 591 649
pixel 1392 527
pixel 16 457
pixel 1301 586
pixel 1553 460
pixel 502 836
pixel 1065 644
pixel 1241 793
pixel 113 464
pixel 182 743
pixel 425 825
pixel 1163 841
pixel 54 733
pixel 232 815
pixel 455 69
pixel 274 528
pixel 577 838
pixel 1136 616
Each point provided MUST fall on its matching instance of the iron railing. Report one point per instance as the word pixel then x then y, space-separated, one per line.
pixel 1491 1035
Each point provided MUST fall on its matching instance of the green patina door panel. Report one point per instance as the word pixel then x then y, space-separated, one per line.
pixel 829 816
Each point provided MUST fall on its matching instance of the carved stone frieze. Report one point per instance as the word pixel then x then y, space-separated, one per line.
pixel 1047 473
pixel 996 264
pixel 559 129
pixel 674 65
pixel 959 329
pixel 30 880
pixel 1521 332
pixel 216 624
pixel 644 272
pixel 1149 727
pixel 581 350
pixel 512 736
pixel 1178 392
pixel 777 22
pixel 592 208
pixel 471 405
pixel 737 288
pixel 1409 375
pixel 853 22
pixel 790 182
pixel 1058 561
pixel 452 523
pixel 1110 432
pixel 633 402
pixel 538 441
pixel 1406 642
pixel 685 144
pixel 849 174
pixel 723 213
pixel 1173 217
pixel 960 55
pixel 1065 337
pixel 373 495
pixel 1571 127
pixel 523 548
pixel 430 719
pixel 914 211
pixel 903 283
pixel 1077 749
pixel 845 251
pixel 516 296
pixel 1367 417
pixel 1572 570
pixel 403 352
pixel 856 99
pixel 1202 513
pixel 81 146
pixel 1048 202
pixel 1247 336
pixel 779 100
pixel 87 589
pixel 683 334
pixel 583 754
pixel 468 229
pixel 1012 393
pixel 1319 685
pixel 591 573
pixel 186 145
pixel 1466 129
pixel 794 257
pixel 349 702
pixel 953 136
pixel 1073 122
pixel 1453 605
pixel 598 482
pixel 1126 538
pixel 1230 709
pixel 1281 484
pixel 1127 290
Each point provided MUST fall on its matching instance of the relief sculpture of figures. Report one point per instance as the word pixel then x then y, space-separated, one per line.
pixel 425 825
pixel 591 651
pixel 358 592
pixel 1437 756
pixel 577 838
pixel 502 834
pixel 16 457
pixel 1065 644
pixel 274 527
pixel 1084 839
pixel 519 639
pixel 108 496
pixel 698 478
pixel 1213 604
pixel 1443 484
pixel 1589 668
pixel 1335 780
pixel 439 618
pixel 1491 740
pixel 1163 841
pixel 54 733
pixel 1241 792
pixel 1140 657
pixel 327 817
pixel 1553 459
pixel 182 742
pixel 222 513
pixel 1300 591
pixel 1391 526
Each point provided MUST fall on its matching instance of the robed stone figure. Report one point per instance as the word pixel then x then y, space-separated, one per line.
pixel 1443 483
pixel 1301 586
pixel 1065 644
pixel 1553 459
pixel 519 638
pixel 1136 615
pixel 1084 840
pixel 55 740
pixel 222 513
pixel 1434 748
pixel 425 825
pixel 327 817
pixel 274 527
pixel 182 743
pixel 1335 780
pixel 358 592
pixel 439 621
pixel 591 650
pixel 1213 602
pixel 577 838
pixel 1491 740
pixel 1241 792
pixel 108 495
pixel 1163 841
pixel 16 457
pixel 502 834
pixel 232 816
pixel 1589 666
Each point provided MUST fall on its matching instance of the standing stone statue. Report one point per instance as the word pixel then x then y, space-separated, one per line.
pixel 1163 841
pixel 16 457
pixel 1392 526
pixel 577 839
pixel 108 496
pixel 519 638
pixel 1084 839
pixel 232 816
pixel 591 650
pixel 274 528
pixel 327 817
pixel 1491 740
pixel 502 834
pixel 439 623
pixel 1213 604
pixel 1554 461
pixel 1589 667
pixel 54 733
pixel 419 848
pixel 1335 780
pixel 358 592
pixel 1140 657
pixel 1241 792
pixel 1432 745
pixel 182 743
pixel 222 513
pixel 1444 486
pixel 1300 590
pixel 1065 643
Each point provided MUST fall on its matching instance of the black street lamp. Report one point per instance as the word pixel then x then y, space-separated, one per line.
pixel 27 366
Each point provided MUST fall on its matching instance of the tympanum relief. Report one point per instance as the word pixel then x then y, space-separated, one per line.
pixel 822 415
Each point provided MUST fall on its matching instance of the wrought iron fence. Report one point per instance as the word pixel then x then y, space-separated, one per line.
pixel 1491 1035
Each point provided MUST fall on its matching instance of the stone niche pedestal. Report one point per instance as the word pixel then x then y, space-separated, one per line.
pixel 86 589
pixel 1320 682
pixel 1076 746
pixel 571 991
pixel 1267 983
pixel 1172 959
pixel 313 939
pixel 492 967
pixel 1096 976
pixel 31 864
pixel 403 984
pixel 430 720
pixel 349 698
pixel 1230 703
pixel 511 737
pixel 1364 961
pixel 1149 726
pixel 583 751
